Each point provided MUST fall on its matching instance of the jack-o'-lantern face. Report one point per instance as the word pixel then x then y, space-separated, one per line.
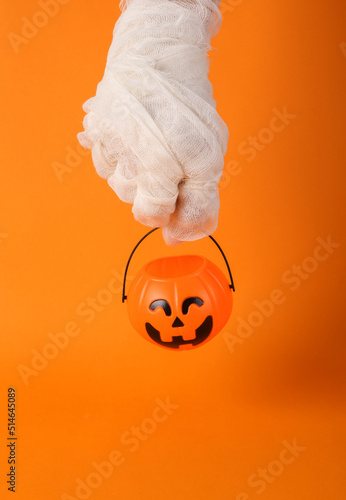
pixel 179 302
pixel 179 336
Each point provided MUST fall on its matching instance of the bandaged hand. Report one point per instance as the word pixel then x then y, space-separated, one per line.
pixel 152 126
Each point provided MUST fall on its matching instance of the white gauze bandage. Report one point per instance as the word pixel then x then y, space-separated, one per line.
pixel 152 127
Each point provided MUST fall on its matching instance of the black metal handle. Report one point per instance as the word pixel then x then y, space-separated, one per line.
pixel 124 297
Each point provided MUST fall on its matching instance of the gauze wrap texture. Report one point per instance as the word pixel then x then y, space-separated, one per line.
pixel 152 127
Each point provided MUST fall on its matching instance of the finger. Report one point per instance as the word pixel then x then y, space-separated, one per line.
pixel 155 200
pixel 195 215
pixel 89 139
pixel 102 164
pixel 123 182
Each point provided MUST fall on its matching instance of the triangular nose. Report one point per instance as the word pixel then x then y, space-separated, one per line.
pixel 177 322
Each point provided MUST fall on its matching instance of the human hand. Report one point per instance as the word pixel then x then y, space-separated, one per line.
pixel 152 127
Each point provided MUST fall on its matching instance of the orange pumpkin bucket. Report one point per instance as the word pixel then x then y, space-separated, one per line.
pixel 181 302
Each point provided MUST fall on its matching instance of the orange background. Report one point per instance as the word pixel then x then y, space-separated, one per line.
pixel 60 240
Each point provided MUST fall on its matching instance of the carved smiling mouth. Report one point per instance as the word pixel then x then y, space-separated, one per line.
pixel 202 332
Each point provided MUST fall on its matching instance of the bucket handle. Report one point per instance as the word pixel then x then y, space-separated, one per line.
pixel 124 297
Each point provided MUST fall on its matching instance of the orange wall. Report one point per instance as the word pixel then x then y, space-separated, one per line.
pixel 254 391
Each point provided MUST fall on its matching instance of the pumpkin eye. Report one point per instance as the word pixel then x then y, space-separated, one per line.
pixel 161 303
pixel 191 300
